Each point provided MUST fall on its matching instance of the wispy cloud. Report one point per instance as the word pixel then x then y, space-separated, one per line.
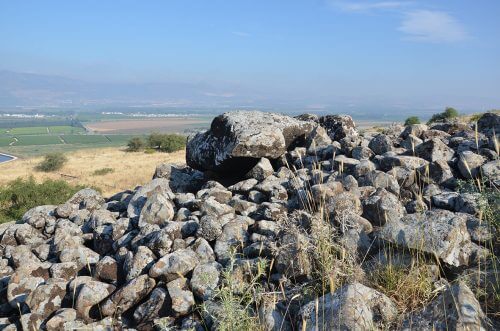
pixel 417 24
pixel 365 6
pixel 241 34
pixel 432 26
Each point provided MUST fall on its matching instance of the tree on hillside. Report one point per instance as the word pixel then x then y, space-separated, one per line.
pixel 52 162
pixel 412 120
pixel 450 112
pixel 166 142
pixel 135 144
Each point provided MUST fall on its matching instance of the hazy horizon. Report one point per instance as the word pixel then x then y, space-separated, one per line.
pixel 364 56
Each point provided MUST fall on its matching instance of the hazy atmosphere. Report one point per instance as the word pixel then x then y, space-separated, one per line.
pixel 339 55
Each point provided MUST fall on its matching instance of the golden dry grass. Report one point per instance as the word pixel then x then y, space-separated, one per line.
pixel 129 169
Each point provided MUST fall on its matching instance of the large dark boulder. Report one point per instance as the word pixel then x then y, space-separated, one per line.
pixel 237 140
pixel 489 123
pixel 338 126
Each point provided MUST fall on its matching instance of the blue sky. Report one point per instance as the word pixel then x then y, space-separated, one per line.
pixel 310 53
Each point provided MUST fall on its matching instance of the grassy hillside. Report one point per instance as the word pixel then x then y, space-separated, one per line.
pixel 85 167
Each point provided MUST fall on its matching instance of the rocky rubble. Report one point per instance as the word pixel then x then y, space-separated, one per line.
pixel 250 205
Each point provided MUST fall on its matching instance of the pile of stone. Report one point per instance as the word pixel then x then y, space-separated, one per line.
pixel 151 257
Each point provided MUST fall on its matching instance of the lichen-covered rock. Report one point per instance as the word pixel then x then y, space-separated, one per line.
pixel 60 319
pixel 261 170
pixel 352 307
pixel 210 228
pixel 64 270
pixel 382 207
pixel 31 321
pixel 174 265
pixel 438 232
pixel 338 126
pixel 455 309
pixel 491 171
pixel 82 255
pixel 138 263
pixel 144 192
pixel 271 318
pixel 37 217
pixel 433 150
pixel 205 280
pixel 47 297
pixel 21 285
pixel 182 298
pixel 158 208
pixel 181 178
pixel 86 293
pixel 128 295
pixel 87 199
pixel 158 304
pixel 489 123
pixel 380 179
pixel 293 258
pixel 469 164
pixel 381 144
pixel 388 162
pixel 237 140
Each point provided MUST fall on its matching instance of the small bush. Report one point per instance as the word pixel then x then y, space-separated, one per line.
pixel 448 113
pixel 412 120
pixel 135 144
pixel 103 171
pixel 166 142
pixel 149 151
pixel 20 195
pixel 52 162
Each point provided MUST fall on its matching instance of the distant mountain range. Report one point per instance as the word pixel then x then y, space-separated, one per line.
pixel 39 91
pixel 36 90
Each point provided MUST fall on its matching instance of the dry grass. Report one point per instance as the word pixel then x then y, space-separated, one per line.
pixel 129 169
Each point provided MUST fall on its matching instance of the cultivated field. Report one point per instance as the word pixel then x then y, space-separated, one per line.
pixel 170 125
pixel 129 169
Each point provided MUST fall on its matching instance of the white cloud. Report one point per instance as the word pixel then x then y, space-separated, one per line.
pixel 432 26
pixel 365 6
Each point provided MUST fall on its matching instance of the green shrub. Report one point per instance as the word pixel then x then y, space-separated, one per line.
pixel 52 162
pixel 20 195
pixel 412 120
pixel 149 151
pixel 103 171
pixel 166 142
pixel 135 144
pixel 448 113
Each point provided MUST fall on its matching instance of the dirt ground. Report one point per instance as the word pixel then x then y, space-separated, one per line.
pixel 129 169
pixel 146 125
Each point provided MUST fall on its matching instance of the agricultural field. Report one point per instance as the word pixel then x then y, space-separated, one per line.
pixel 24 138
pixel 29 130
pixel 148 125
pixel 6 141
pixel 64 129
pixel 37 140
pixel 84 139
pixel 33 137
